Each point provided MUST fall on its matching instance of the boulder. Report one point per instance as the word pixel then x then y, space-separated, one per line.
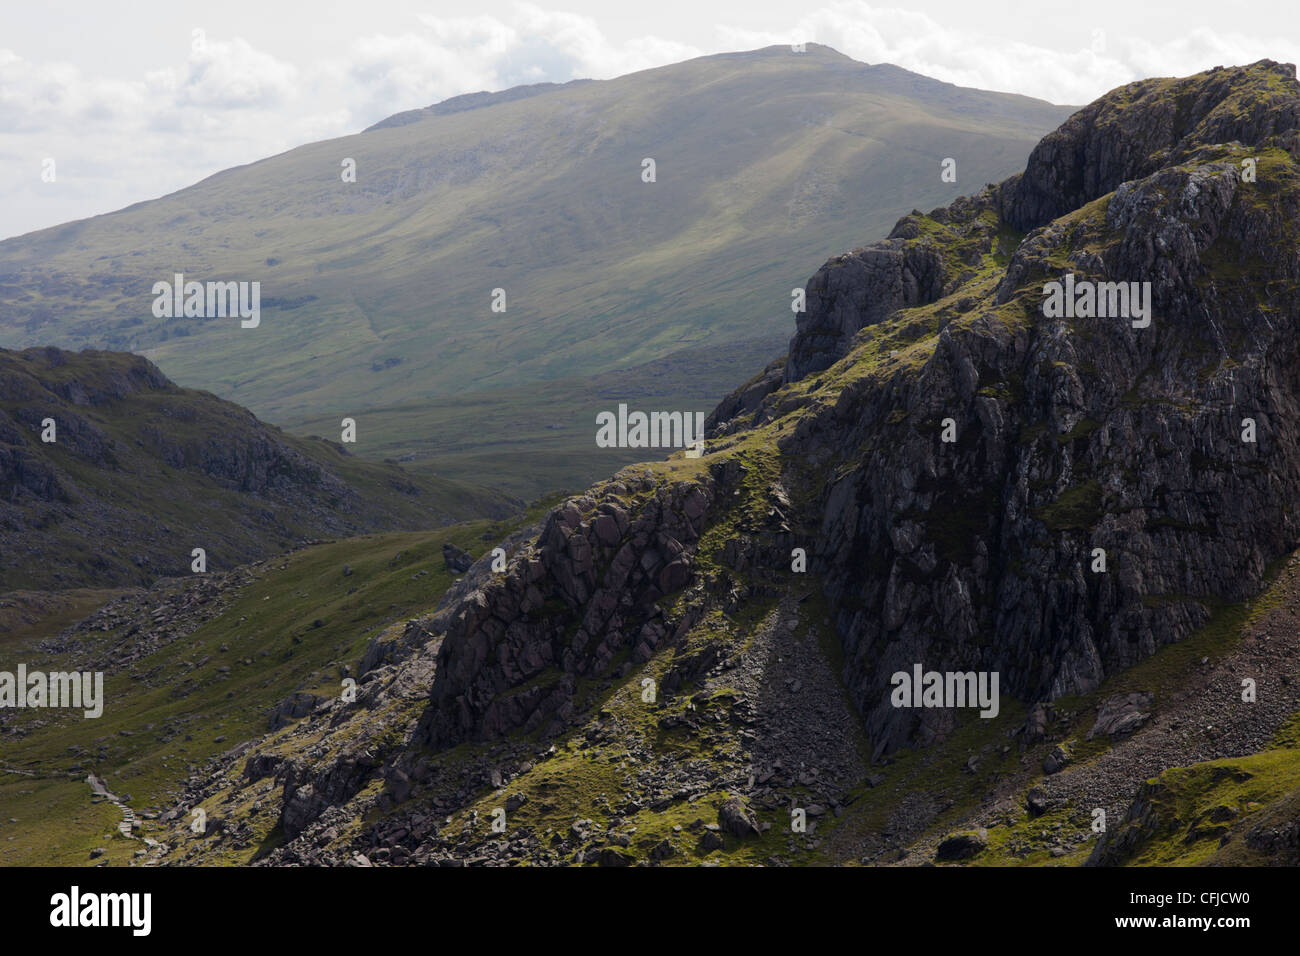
pixel 962 846
pixel 738 819
pixel 1122 714
pixel 456 560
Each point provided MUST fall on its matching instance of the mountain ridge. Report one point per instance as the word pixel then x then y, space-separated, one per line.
pixel 901 77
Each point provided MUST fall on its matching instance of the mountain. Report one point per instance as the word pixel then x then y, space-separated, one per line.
pixel 139 472
pixel 696 660
pixel 377 294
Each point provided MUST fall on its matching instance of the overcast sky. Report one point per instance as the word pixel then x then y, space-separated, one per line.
pixel 131 103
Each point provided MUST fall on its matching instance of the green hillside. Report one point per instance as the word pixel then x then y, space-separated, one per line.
pixel 243 642
pixel 377 294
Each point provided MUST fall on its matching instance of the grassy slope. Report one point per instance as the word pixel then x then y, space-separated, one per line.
pixel 166 715
pixel 540 437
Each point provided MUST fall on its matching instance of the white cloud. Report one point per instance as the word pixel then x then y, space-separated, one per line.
pixel 1092 63
pixel 235 76
pixel 456 55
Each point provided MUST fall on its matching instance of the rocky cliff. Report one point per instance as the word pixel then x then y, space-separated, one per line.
pixel 1069 435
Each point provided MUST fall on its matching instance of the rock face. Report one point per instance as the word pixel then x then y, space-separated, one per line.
pixel 1071 434
pixel 584 590
pixel 860 289
pixel 1097 494
pixel 1146 126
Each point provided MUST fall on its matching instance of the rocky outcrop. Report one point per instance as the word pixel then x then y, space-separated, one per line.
pixel 1070 435
pixel 456 560
pixel 1133 132
pixel 308 792
pixel 860 289
pixel 567 604
pixel 1146 126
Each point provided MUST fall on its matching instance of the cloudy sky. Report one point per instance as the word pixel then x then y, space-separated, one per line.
pixel 136 99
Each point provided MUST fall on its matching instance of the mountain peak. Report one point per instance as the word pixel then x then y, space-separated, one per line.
pixel 1146 125
pixel 483 98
